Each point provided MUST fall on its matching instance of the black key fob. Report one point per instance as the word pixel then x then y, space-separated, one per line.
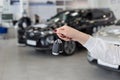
pixel 57 47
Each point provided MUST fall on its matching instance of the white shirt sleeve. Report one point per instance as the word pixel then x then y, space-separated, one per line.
pixel 99 49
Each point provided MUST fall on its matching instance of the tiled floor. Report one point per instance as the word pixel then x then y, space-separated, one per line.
pixel 24 63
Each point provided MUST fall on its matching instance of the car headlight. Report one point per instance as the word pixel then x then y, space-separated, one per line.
pixel 32 34
pixel 42 33
pixel 36 31
pixel 50 32
pixel 30 30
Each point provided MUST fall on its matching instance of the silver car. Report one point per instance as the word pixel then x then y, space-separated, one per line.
pixel 111 35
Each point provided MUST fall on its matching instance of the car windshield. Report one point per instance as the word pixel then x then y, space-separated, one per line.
pixel 66 15
pixel 59 17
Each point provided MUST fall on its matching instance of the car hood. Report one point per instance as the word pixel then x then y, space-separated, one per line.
pixel 110 34
pixel 40 26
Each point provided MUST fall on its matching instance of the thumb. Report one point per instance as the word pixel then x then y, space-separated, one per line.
pixel 60 31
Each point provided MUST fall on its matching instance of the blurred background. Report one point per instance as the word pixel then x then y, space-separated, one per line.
pixel 27 39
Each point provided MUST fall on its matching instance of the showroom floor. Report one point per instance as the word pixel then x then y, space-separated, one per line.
pixel 24 63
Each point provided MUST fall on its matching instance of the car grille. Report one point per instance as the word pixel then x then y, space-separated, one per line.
pixel 32 36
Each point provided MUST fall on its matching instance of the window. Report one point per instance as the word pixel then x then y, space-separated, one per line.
pixel 98 14
pixel 59 3
pixel 68 2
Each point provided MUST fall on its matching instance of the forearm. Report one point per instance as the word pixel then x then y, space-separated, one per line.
pixel 82 38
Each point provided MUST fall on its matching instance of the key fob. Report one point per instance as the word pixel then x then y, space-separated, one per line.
pixel 57 47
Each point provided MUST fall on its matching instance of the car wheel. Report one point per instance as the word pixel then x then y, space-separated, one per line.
pixel 69 48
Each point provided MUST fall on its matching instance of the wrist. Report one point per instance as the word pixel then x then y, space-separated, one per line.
pixel 82 38
pixel 77 36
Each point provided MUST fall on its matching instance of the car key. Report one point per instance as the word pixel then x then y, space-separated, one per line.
pixel 57 47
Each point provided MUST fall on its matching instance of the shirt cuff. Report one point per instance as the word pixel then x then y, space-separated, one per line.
pixel 90 44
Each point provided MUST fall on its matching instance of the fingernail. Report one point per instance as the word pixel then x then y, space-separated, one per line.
pixel 55 30
pixel 70 38
pixel 63 36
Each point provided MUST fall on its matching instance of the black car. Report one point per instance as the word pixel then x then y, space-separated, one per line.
pixel 41 36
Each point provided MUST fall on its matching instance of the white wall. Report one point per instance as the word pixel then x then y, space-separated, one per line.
pixel 1 7
pixel 1 2
pixel 15 9
pixel 93 3
pixel 41 0
pixel 44 11
pixel 7 8
pixel 39 7
pixel 41 10
pixel 77 4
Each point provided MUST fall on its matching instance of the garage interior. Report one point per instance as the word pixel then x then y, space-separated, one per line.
pixel 26 63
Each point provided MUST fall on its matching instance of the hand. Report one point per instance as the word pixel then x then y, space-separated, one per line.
pixel 67 33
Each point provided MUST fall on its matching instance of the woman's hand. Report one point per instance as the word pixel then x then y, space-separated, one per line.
pixel 68 33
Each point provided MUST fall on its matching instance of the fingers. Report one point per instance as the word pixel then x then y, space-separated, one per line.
pixel 60 30
pixel 62 33
pixel 64 37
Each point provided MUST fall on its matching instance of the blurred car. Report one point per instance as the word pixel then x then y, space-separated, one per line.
pixel 41 36
pixel 110 35
pixel 117 22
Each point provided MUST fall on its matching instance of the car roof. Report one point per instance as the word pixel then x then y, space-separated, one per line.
pixel 104 9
